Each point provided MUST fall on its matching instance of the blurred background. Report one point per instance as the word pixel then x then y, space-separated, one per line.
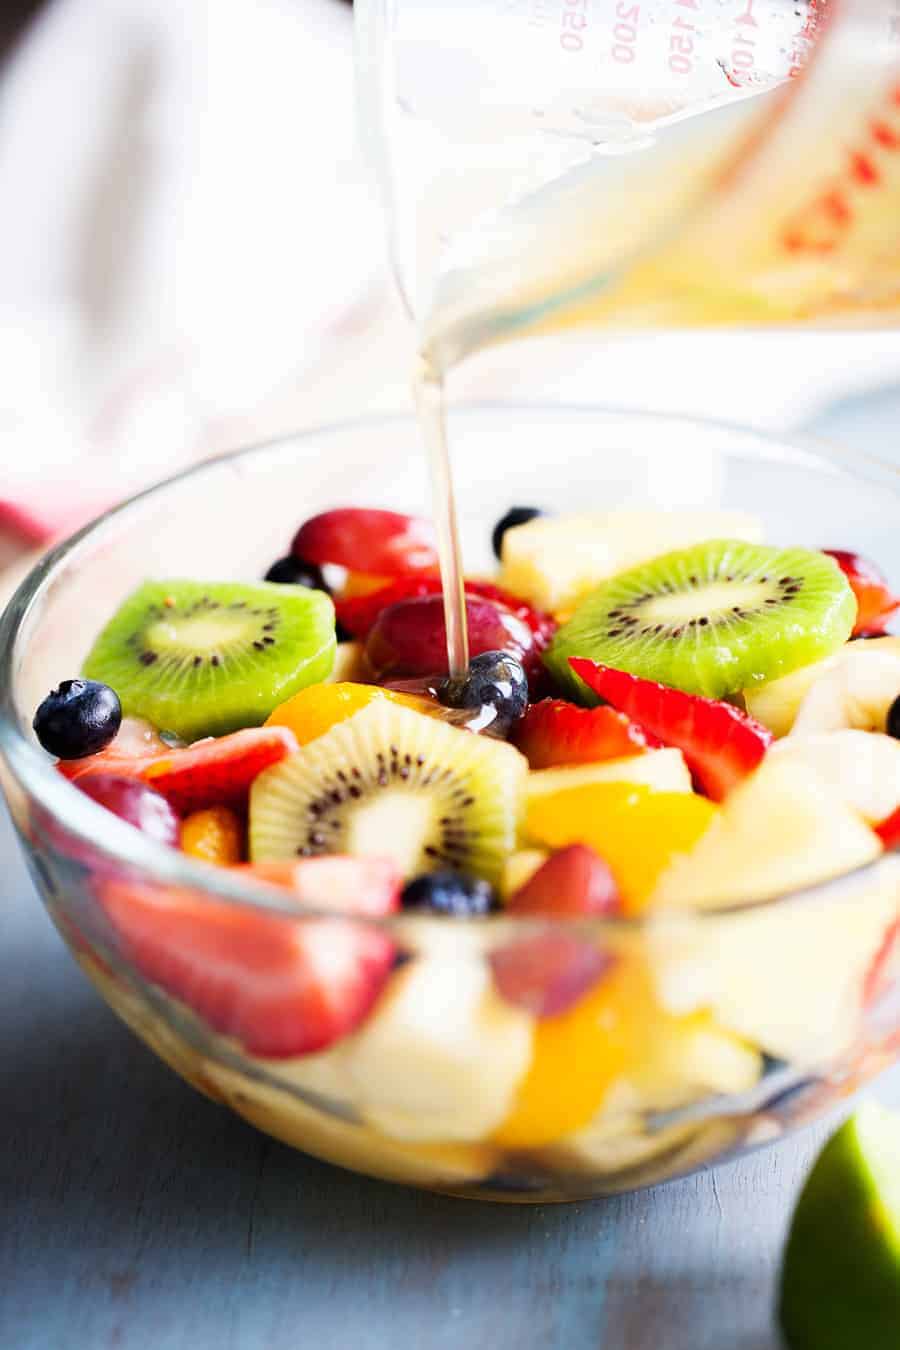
pixel 191 259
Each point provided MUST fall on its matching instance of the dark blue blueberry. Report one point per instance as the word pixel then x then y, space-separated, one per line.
pixel 451 894
pixel 341 632
pixel 77 719
pixel 494 680
pixel 893 719
pixel 292 571
pixel 516 515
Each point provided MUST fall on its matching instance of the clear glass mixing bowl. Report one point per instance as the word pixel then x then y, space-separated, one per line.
pixel 721 1030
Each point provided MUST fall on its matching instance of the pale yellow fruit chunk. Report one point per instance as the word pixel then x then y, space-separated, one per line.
pixel 553 561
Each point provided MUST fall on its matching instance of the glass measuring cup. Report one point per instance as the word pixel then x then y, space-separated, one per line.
pixel 554 162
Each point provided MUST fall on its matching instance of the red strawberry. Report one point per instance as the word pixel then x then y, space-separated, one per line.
pixel 369 887
pixel 281 986
pixel 546 973
pixel 555 732
pixel 889 830
pixel 575 881
pixel 874 600
pixel 382 542
pixel 217 771
pixel 720 743
pixel 136 743
pixel 359 613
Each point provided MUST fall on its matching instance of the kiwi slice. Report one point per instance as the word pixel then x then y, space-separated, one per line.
pixel 392 783
pixel 712 619
pixel 203 658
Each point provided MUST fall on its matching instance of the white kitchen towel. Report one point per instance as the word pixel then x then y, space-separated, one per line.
pixel 191 258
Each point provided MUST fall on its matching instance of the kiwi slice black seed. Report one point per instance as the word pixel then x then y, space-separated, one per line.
pixel 712 619
pixel 204 658
pixel 392 783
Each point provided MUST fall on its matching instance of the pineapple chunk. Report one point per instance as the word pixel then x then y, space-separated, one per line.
pixel 554 561
pixel 663 770
pixel 780 830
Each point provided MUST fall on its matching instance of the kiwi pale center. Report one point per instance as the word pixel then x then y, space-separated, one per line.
pixel 201 633
pixel 718 597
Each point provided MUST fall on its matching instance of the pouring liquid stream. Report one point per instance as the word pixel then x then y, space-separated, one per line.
pixel 773 202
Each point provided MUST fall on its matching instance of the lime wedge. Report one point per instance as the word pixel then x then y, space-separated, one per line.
pixel 840 1287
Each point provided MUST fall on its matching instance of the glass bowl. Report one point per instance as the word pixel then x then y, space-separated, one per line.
pixel 712 1033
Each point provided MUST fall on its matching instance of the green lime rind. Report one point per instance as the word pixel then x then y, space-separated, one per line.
pixel 840 1284
pixel 145 652
pixel 793 607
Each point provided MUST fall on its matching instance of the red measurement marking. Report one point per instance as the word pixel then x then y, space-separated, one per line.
pixel 820 226
pixel 885 136
pixel 573 22
pixel 863 169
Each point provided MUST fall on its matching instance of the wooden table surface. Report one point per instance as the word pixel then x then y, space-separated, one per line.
pixel 136 1215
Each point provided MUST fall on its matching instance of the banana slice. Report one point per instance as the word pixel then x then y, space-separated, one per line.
pixel 860 767
pixel 780 830
pixel 278 1113
pixel 442 1055
pixel 555 560
pixel 788 976
pixel 853 688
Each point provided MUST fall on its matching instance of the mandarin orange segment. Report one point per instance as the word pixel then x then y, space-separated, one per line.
pixel 578 1055
pixel 363 583
pixel 214 835
pixel 635 830
pixel 316 710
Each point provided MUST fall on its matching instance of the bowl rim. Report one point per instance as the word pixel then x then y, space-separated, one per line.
pixel 146 861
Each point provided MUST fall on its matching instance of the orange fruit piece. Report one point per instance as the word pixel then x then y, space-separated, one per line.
pixel 363 583
pixel 577 1056
pixel 619 1031
pixel 635 830
pixel 315 710
pixel 214 835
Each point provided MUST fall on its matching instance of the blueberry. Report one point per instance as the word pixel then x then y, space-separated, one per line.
pixel 77 719
pixel 516 515
pixel 451 894
pixel 291 571
pixel 494 680
pixel 893 719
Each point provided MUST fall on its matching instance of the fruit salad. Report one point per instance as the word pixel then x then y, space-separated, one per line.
pixel 520 923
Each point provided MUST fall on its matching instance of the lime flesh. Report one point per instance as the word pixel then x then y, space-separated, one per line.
pixel 840 1287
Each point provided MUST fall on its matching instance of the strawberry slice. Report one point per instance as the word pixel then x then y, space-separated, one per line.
pixel 875 602
pixel 575 881
pixel 720 743
pixel 136 743
pixel 381 542
pixel 281 986
pixel 368 887
pixel 218 771
pixel 358 613
pixel 547 973
pixel 889 830
pixel 555 732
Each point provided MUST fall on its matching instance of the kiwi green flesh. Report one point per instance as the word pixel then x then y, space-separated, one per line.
pixel 712 619
pixel 205 658
pixel 392 783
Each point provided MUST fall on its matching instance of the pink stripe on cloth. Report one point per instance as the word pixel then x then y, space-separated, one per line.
pixel 57 514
